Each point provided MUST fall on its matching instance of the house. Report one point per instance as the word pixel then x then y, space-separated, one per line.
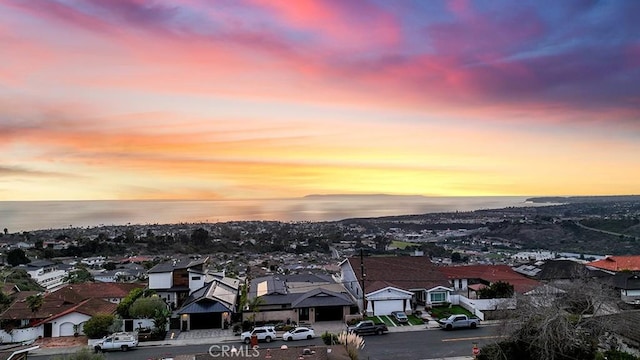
pixel 560 271
pixel 46 273
pixel 175 279
pixel 211 306
pixel 472 278
pixel 394 283
pixel 617 263
pixel 301 298
pixel 111 292
pixel 62 313
pixel 628 284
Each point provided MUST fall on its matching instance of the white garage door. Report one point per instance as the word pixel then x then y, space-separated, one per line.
pixel 66 329
pixel 385 307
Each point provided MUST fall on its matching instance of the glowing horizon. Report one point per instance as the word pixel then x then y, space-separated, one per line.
pixel 255 99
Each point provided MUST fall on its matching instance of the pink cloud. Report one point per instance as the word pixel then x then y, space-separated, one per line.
pixel 356 24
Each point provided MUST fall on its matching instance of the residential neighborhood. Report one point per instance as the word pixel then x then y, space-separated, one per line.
pixel 365 272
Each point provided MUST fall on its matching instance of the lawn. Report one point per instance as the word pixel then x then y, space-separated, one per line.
pixel 414 320
pixel 445 311
pixel 401 244
pixel 382 319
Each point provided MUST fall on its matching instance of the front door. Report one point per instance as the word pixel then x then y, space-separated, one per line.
pixel 48 330
pixel 304 314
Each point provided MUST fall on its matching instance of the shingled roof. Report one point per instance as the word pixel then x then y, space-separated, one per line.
pixel 402 272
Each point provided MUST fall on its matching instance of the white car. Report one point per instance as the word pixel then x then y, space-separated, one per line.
pixel 263 333
pixel 299 333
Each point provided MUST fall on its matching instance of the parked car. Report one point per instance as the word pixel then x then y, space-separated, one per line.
pixel 117 341
pixel 368 327
pixel 263 333
pixel 400 317
pixel 459 321
pixel 299 333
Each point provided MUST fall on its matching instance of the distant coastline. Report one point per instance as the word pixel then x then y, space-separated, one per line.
pixel 583 199
pixel 43 215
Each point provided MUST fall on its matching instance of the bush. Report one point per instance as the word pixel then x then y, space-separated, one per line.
pixel 146 307
pixel 354 321
pixel 329 338
pixel 98 326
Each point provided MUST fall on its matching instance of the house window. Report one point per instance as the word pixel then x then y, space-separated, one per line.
pixel 194 278
pixel 438 297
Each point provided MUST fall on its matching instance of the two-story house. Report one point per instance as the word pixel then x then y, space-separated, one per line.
pixel 46 273
pixel 175 279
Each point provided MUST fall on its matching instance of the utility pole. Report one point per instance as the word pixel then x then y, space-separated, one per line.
pixel 362 276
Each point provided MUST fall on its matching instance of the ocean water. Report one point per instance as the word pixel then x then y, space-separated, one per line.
pixel 19 216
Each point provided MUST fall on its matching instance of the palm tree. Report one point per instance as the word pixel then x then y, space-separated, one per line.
pixel 253 305
pixel 35 302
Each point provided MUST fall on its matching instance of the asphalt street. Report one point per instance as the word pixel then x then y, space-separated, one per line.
pixel 413 345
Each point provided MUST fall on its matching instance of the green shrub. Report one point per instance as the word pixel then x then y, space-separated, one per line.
pixel 329 338
pixel 98 326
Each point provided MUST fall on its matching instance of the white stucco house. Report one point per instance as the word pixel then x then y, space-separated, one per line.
pixel 394 283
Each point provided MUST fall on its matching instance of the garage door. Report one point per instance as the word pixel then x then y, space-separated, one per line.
pixel 385 307
pixel 66 329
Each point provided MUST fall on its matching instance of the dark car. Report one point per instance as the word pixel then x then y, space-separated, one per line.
pixel 400 317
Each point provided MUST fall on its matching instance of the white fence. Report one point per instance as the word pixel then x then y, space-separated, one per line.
pixel 21 335
pixel 478 306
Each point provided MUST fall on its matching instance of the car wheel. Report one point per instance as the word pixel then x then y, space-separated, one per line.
pixel 378 332
pixel 97 349
pixel 124 348
pixel 473 325
pixel 449 327
pixel 267 339
pixel 247 341
pixel 290 338
pixel 309 337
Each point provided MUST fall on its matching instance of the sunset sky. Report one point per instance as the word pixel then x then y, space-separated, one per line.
pixel 234 99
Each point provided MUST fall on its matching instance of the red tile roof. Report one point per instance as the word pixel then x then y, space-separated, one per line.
pixel 68 298
pixel 89 307
pixel 618 263
pixel 491 274
pixel 103 290
pixel 403 272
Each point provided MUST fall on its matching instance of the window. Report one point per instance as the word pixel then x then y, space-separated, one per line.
pixel 438 297
pixel 195 278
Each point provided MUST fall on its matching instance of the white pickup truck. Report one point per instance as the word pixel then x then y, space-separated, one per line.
pixel 117 341
pixel 459 321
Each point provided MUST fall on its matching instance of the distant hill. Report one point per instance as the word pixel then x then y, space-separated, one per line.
pixel 583 199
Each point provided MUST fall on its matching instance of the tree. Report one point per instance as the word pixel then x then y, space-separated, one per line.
pixel 6 231
pixel 254 306
pixel 125 304
pixel 80 275
pixel 546 327
pixel 16 257
pixel 160 319
pixel 34 302
pixel 147 307
pixel 98 326
pixel 497 290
